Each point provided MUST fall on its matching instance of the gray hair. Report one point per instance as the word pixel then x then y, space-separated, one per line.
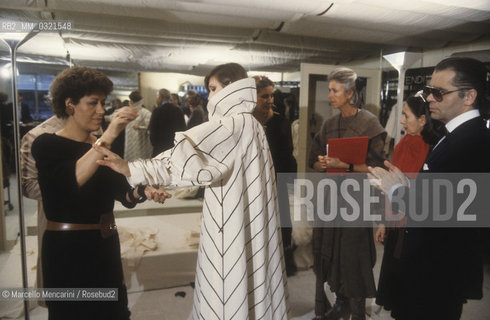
pixel 164 94
pixel 347 77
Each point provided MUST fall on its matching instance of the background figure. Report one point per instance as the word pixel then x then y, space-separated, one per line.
pixel 118 143
pixel 279 106
pixel 186 110
pixel 5 115
pixel 116 104
pixel 30 184
pixel 137 139
pixel 165 120
pixel 239 271
pixel 80 247
pixel 7 139
pixel 25 113
pixel 174 99
pixel 192 101
pixel 409 156
pixel 345 256
pixel 291 106
pixel 278 132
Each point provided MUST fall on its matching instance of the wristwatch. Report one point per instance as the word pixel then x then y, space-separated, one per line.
pixel 351 168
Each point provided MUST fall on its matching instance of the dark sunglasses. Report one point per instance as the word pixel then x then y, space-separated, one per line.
pixel 437 93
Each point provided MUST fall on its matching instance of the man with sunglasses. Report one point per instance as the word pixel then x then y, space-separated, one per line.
pixel 442 267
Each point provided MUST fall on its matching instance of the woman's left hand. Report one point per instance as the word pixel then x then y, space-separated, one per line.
pixel 335 163
pixel 157 194
pixel 112 161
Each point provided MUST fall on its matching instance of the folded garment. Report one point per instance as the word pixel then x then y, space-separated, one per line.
pixel 135 242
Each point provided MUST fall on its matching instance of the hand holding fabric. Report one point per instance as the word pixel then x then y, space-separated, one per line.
pixel 120 120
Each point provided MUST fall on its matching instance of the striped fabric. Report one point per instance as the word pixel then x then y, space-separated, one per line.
pixel 137 142
pixel 240 270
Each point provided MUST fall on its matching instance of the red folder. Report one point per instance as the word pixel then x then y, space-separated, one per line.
pixel 349 150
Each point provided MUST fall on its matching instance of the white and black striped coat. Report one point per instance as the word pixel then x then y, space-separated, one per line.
pixel 240 270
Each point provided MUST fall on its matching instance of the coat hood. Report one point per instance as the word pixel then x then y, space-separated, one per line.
pixel 237 97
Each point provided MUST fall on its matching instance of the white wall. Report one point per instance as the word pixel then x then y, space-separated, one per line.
pixel 429 58
pixel 277 76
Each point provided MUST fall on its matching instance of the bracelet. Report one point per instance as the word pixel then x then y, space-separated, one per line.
pixel 131 197
pixel 141 192
pixel 351 168
pixel 101 143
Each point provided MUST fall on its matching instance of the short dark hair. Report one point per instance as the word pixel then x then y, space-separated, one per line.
pixel 262 82
pixel 135 96
pixel 193 97
pixel 226 74
pixel 75 83
pixel 469 73
pixel 176 97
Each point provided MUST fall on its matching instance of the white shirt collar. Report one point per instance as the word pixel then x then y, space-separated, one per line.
pixel 462 118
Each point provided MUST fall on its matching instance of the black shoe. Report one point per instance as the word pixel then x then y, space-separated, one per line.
pixel 340 310
pixel 358 308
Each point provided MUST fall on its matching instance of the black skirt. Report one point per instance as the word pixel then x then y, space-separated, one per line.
pixel 390 285
pixel 83 259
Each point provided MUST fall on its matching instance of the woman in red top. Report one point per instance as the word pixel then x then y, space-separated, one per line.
pixel 409 156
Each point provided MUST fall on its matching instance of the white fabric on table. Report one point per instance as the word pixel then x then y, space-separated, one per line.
pixel 135 242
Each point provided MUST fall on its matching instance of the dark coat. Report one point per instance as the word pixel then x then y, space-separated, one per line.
pixel 165 120
pixel 344 257
pixel 442 266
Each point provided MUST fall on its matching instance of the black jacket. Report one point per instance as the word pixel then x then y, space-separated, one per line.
pixel 445 263
pixel 165 120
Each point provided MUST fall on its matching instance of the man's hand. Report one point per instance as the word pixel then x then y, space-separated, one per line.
pixel 384 180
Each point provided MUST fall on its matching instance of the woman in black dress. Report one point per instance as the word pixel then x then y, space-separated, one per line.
pixel 80 248
pixel 278 132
